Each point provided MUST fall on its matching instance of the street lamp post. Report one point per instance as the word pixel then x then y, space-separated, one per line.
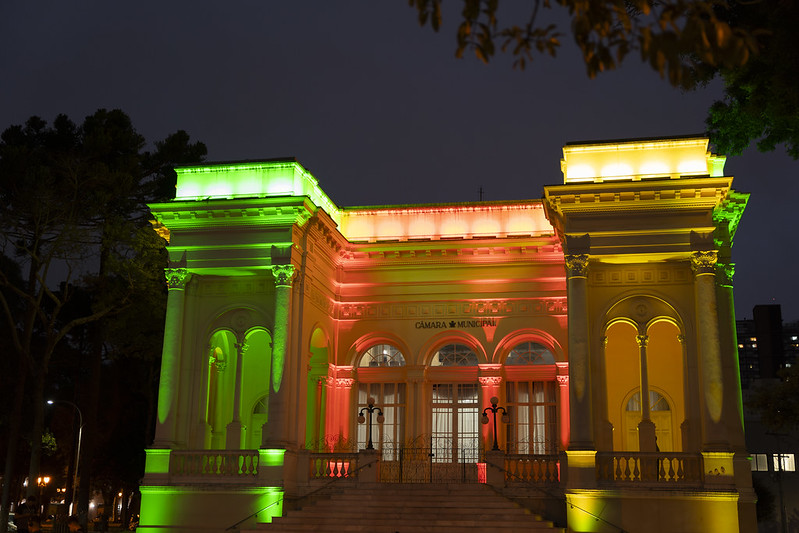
pixel 42 482
pixel 77 448
pixel 370 409
pixel 493 409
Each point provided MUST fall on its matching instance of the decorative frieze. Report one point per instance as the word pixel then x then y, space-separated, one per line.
pixel 455 310
pixel 214 286
pixel 644 275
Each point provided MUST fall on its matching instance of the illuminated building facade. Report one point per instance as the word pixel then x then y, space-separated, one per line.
pixel 601 317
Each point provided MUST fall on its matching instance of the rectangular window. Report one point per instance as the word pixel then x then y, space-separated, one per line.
pixel 533 412
pixel 759 462
pixel 784 462
pixel 389 398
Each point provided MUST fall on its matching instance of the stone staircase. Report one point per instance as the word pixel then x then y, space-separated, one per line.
pixel 411 508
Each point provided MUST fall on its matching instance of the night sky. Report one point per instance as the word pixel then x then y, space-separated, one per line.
pixel 376 107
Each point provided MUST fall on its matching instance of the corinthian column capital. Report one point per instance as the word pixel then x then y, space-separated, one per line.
pixel 177 278
pixel 577 265
pixel 704 262
pixel 724 273
pixel 283 275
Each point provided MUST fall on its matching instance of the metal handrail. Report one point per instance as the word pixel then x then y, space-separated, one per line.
pixel 556 497
pixel 323 487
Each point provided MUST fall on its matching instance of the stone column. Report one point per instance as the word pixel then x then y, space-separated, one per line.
pixel 714 435
pixel 563 410
pixel 582 431
pixel 275 432
pixel 689 429
pixel 490 388
pixel 343 405
pixel 234 428
pixel 731 369
pixel 646 428
pixel 176 279
pixel 603 433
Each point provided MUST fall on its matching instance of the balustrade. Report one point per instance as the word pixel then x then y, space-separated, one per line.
pixel 657 468
pixel 237 464
pixel 333 465
pixel 532 468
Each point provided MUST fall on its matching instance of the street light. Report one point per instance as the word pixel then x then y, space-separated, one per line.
pixel 371 409
pixel 42 482
pixel 77 449
pixel 505 418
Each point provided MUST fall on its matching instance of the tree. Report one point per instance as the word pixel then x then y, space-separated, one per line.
pixel 751 44
pixel 73 198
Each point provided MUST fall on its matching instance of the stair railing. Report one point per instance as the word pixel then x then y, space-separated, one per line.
pixel 551 494
pixel 332 481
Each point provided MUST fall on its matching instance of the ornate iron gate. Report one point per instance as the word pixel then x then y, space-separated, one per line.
pixel 425 460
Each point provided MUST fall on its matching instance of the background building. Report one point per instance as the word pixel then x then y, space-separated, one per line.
pixel 766 346
pixel 600 318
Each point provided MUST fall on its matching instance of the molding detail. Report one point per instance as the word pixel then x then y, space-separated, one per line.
pixel 458 310
pixel 639 275
pixel 283 275
pixel 704 262
pixel 577 265
pixel 177 278
pixel 487 381
pixel 345 383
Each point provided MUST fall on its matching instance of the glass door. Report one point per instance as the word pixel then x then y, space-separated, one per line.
pixel 455 423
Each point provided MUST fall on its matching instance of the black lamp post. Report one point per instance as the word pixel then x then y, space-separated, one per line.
pixel 370 409
pixel 494 409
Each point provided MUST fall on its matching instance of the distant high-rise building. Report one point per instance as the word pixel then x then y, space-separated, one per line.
pixel 765 344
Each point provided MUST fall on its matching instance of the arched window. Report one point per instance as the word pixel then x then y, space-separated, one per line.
pixel 657 402
pixel 382 355
pixel 530 353
pixel 454 355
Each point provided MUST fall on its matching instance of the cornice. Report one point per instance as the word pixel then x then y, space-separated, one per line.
pixel 655 195
pixel 453 251
pixel 235 212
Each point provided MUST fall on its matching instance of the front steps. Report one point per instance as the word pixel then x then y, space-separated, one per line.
pixel 411 508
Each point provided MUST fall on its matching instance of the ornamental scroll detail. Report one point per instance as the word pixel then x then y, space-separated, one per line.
pixel 177 278
pixel 577 265
pixel 704 262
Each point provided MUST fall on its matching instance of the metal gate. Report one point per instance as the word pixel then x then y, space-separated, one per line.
pixel 425 460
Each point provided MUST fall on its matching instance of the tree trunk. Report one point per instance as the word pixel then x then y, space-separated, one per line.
pixel 15 423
